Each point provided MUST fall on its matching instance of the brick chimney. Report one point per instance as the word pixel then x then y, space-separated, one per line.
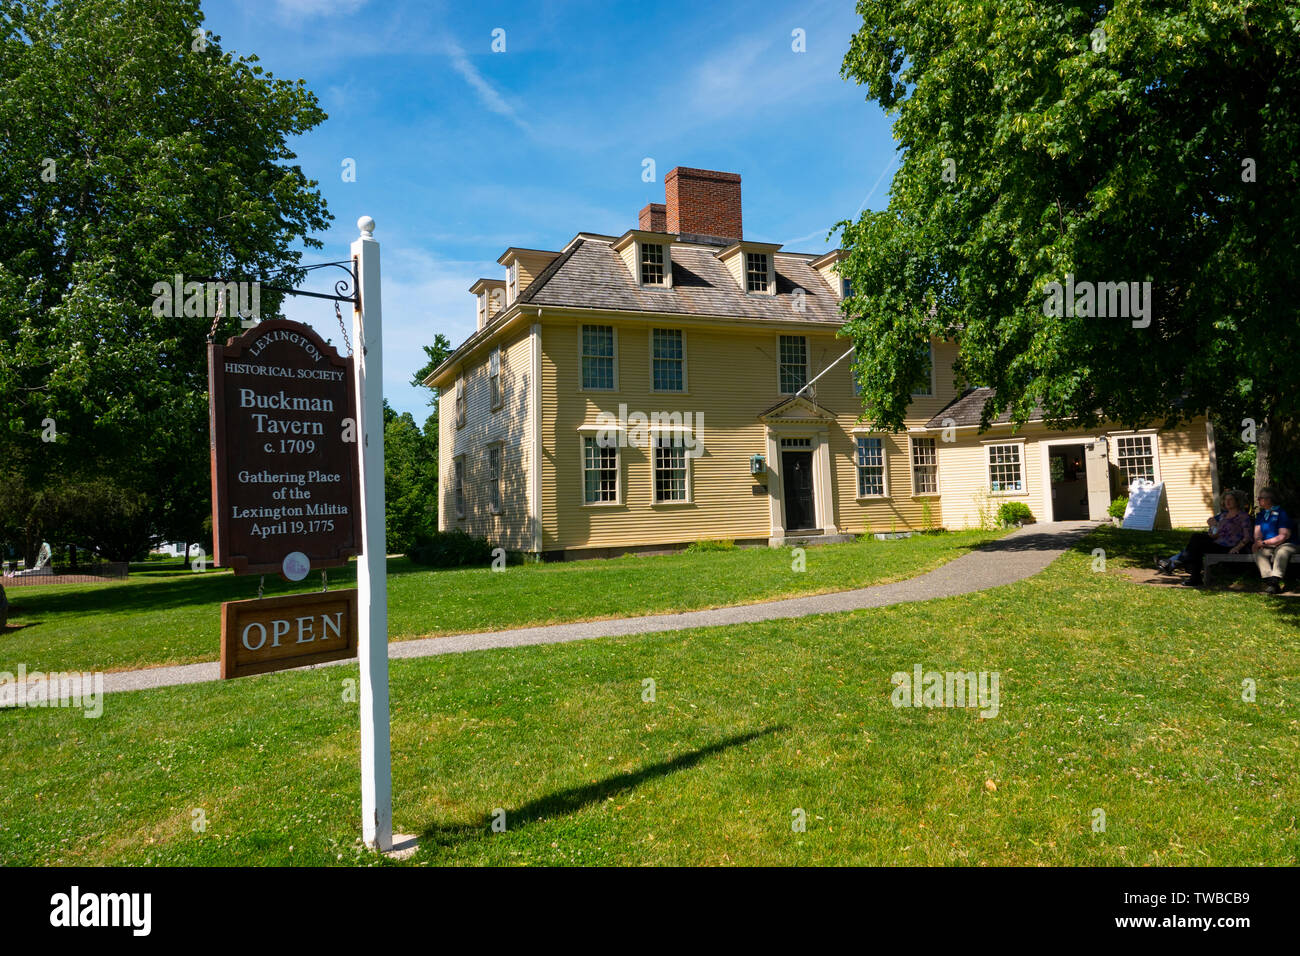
pixel 702 202
pixel 654 217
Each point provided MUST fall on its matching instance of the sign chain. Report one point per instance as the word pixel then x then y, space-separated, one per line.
pixel 221 311
pixel 343 328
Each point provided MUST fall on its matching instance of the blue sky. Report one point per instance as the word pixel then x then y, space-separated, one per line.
pixel 461 152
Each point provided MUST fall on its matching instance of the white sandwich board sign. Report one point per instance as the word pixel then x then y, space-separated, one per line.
pixel 1143 503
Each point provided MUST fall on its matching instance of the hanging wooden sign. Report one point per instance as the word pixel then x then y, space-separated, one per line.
pixel 271 634
pixel 285 482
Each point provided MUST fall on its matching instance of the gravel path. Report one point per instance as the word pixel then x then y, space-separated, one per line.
pixel 1019 555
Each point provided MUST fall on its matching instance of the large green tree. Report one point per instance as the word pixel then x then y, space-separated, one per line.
pixel 134 148
pixel 1139 141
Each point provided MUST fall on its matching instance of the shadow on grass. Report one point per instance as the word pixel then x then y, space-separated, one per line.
pixel 1136 548
pixel 1028 541
pixel 155 591
pixel 570 801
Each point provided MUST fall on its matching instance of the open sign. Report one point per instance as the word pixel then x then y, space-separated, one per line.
pixel 271 634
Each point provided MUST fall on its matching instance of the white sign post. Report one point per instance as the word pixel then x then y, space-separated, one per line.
pixel 372 569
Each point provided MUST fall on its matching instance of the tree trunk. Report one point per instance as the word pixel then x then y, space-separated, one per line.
pixel 185 559
pixel 4 609
pixel 1264 454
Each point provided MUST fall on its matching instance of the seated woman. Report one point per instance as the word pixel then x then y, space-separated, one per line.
pixel 1230 533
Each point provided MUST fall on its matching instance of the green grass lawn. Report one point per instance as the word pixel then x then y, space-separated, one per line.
pixel 173 616
pixel 1113 696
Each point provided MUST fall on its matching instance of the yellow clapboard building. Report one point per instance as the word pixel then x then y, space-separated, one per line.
pixel 649 390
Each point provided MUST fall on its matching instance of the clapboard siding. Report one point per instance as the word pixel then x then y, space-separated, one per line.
pixel 510 425
pixel 731 379
pixel 1182 460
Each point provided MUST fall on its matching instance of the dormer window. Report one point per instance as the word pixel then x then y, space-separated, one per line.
pixel 512 282
pixel 756 271
pixel 489 300
pixel 652 263
pixel 648 257
pixel 752 265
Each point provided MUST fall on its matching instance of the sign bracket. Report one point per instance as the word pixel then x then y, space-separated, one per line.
pixel 345 290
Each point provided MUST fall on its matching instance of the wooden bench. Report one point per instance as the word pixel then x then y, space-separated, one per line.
pixel 1210 560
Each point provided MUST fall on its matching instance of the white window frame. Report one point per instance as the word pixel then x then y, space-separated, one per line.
pixel 458 486
pixel 461 400
pixel 512 281
pixel 496 384
pixel 858 466
pixel 911 460
pixel 482 309
pixel 667 391
pixel 665 264
pixel 1019 445
pixel 582 386
pixel 1153 435
pixel 494 476
pixel 807 363
pixel 930 392
pixel 592 435
pixel 687 467
pixel 769 279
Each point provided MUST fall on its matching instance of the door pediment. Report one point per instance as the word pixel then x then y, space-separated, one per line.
pixel 796 408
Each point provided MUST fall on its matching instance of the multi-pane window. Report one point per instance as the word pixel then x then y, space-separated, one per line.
pixel 494 377
pixel 652 263
pixel 460 400
pixel 598 357
pixel 512 281
pixel 668 360
pixel 925 467
pixel 599 472
pixel 494 478
pixel 756 271
pixel 460 487
pixel 670 467
pixel 846 288
pixel 1135 456
pixel 482 309
pixel 923 383
pixel 794 363
pixel 871 467
pixel 1005 475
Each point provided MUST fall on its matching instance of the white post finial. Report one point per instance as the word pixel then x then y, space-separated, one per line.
pixel 367 227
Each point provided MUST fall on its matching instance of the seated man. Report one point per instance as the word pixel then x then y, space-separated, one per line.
pixel 1229 534
pixel 1274 543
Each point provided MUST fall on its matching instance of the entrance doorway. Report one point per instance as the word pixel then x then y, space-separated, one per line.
pixel 797 479
pixel 1069 482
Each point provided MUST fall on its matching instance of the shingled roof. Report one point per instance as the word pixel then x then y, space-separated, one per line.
pixel 966 409
pixel 591 275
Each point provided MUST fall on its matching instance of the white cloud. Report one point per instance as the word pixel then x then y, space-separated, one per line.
pixel 487 93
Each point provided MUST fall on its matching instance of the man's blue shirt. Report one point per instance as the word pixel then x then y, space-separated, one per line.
pixel 1272 521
